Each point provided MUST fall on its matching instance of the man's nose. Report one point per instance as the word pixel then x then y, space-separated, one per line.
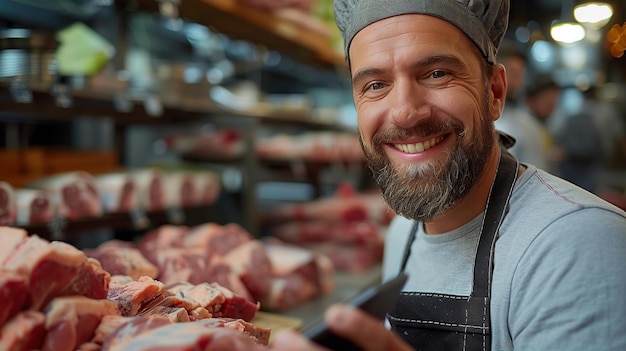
pixel 409 104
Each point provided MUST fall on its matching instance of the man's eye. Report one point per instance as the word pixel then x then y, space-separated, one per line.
pixel 376 86
pixel 438 74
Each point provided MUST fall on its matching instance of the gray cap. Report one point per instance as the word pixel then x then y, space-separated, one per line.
pixel 484 21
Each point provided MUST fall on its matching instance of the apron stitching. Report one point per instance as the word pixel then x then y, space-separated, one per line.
pixel 485 322
pixel 466 326
pixel 453 297
pixel 465 331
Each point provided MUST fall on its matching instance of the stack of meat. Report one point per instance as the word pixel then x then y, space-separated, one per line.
pixel 158 189
pixel 53 297
pixel 311 146
pixel 226 254
pixel 347 227
pixel 8 206
pixel 75 195
pixel 208 142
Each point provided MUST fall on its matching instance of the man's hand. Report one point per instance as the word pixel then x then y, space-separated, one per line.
pixel 349 323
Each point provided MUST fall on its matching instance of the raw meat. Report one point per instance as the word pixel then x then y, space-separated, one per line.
pixel 251 263
pixel 11 239
pixel 217 239
pixel 165 236
pixel 118 192
pixel 54 269
pixel 8 205
pixel 150 189
pixel 24 332
pixel 355 207
pixel 299 275
pixel 13 292
pixel 131 296
pixel 120 258
pixel 207 186
pixel 35 206
pixel 179 189
pixel 76 194
pixel 131 330
pixel 72 320
pixel 184 336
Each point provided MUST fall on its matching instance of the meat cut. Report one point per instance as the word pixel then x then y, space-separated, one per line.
pixel 35 206
pixel 76 193
pixel 8 205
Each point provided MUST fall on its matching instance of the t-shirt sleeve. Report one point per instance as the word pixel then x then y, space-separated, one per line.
pixel 395 242
pixel 569 289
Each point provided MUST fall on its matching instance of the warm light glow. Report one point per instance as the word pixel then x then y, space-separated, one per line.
pixel 595 13
pixel 616 36
pixel 567 32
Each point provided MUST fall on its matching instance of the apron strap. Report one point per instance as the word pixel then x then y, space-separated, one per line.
pixel 497 204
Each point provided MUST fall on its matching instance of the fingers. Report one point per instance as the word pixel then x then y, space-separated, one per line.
pixel 362 329
pixel 289 340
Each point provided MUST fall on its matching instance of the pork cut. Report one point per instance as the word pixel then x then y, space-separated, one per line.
pixel 8 205
pixel 24 332
pixel 215 238
pixel 151 193
pixel 76 193
pixel 122 258
pixel 131 296
pixel 339 207
pixel 35 206
pixel 118 192
pixel 207 185
pixel 182 336
pixel 54 269
pixel 13 292
pixel 72 320
pixel 251 263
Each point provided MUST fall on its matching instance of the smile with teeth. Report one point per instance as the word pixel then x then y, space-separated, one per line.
pixel 419 147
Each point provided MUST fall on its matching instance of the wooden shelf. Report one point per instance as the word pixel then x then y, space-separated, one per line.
pixel 97 103
pixel 244 22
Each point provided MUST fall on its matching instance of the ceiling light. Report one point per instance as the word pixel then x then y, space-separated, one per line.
pixel 567 33
pixel 596 14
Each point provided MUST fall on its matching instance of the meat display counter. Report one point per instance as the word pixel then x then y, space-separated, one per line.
pixel 347 286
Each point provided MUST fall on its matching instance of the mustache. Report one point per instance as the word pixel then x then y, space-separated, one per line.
pixel 424 128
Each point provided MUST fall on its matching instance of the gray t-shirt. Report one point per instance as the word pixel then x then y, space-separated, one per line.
pixel 559 279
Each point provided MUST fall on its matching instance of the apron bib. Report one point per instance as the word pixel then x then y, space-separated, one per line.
pixel 433 322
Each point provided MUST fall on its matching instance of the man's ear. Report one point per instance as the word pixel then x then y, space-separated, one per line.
pixel 498 91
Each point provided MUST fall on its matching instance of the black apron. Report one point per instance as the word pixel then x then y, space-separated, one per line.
pixel 430 321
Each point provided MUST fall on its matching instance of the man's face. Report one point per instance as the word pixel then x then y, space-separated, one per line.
pixel 424 111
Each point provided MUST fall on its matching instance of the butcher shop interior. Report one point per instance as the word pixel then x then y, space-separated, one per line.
pixel 164 162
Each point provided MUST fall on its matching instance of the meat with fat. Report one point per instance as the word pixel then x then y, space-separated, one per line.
pixel 72 320
pixel 118 192
pixel 76 193
pixel 8 204
pixel 23 332
pixel 122 258
pixel 13 292
pixel 54 269
pixel 35 206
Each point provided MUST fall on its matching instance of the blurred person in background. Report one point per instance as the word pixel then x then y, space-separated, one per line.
pixel 530 143
pixel 500 255
pixel 541 97
pixel 589 140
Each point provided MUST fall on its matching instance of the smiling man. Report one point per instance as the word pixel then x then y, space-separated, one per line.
pixel 500 255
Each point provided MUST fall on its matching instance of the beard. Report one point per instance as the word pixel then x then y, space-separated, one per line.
pixel 424 191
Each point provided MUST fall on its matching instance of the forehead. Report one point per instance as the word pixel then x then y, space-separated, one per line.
pixel 410 33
